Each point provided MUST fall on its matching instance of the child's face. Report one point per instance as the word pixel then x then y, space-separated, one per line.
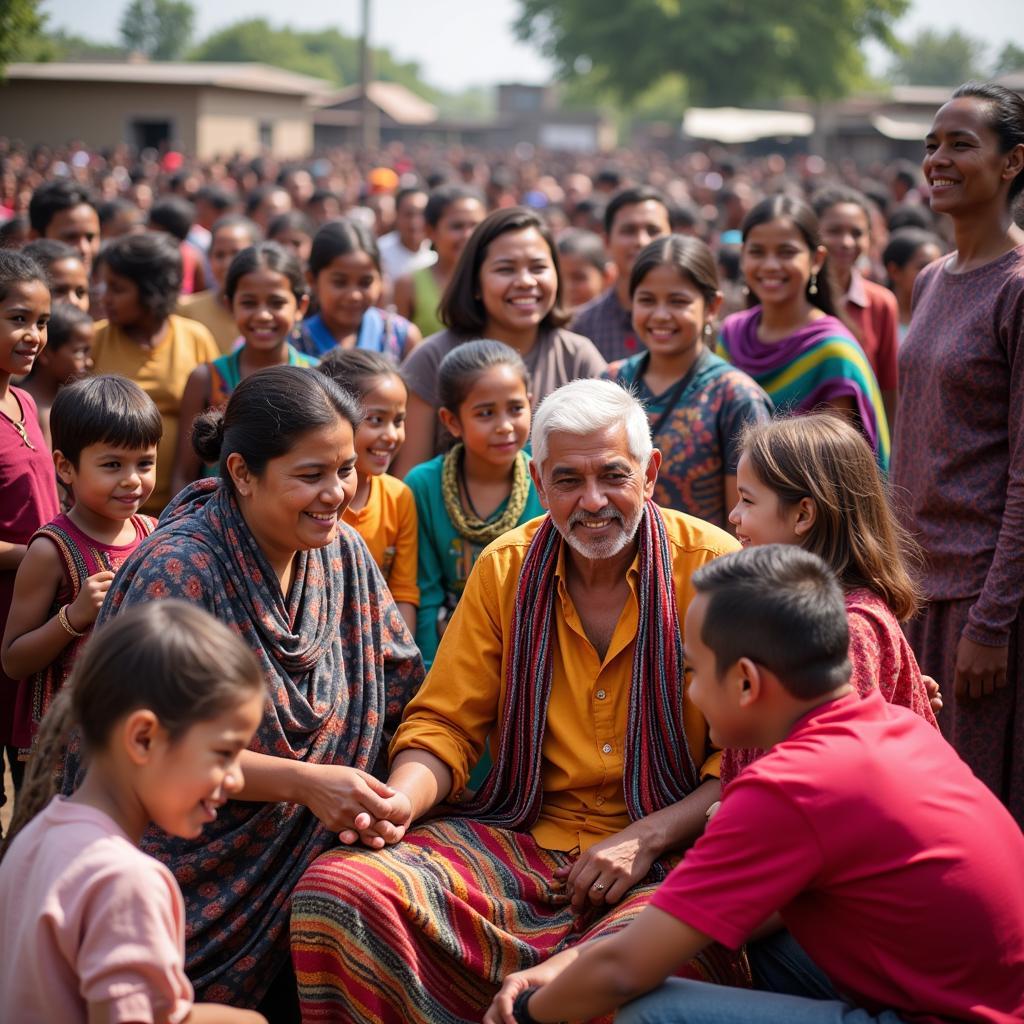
pixel 847 235
pixel 24 314
pixel 382 431
pixel 777 262
pixel 110 482
pixel 346 288
pixel 758 516
pixel 297 242
pixel 517 281
pixel 184 783
pixel 226 244
pixel 265 308
pixel 669 312
pixel 903 278
pixel 73 360
pixel 79 227
pixel 457 223
pixel 69 283
pixel 121 300
pixel 494 419
pixel 581 280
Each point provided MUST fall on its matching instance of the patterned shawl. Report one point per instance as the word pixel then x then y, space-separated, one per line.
pixel 659 769
pixel 815 365
pixel 340 667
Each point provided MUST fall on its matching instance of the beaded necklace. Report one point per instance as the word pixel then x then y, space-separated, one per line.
pixel 466 522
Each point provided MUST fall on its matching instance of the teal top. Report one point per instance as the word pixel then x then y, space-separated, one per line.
pixel 445 557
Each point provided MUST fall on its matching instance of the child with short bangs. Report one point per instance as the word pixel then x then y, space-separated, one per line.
pixel 105 436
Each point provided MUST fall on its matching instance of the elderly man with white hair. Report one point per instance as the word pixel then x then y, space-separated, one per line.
pixel 565 655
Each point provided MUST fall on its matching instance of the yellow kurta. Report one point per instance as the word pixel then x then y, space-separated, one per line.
pixel 457 708
pixel 162 373
pixel 387 522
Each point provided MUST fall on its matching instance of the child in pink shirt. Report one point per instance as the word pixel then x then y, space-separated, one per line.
pixel 165 700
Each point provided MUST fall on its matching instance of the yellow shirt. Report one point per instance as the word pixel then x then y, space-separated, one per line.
pixel 387 522
pixel 208 309
pixel 162 373
pixel 457 708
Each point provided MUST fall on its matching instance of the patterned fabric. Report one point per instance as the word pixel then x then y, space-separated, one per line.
pixel 659 768
pixel 426 931
pixel 340 666
pixel 815 365
pixel 987 733
pixel 699 436
pixel 81 557
pixel 379 331
pixel 880 659
pixel 610 327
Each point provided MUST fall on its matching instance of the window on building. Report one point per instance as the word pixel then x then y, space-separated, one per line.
pixel 148 134
pixel 267 134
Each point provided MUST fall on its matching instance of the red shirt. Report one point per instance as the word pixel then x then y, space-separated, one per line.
pixel 898 872
pixel 875 313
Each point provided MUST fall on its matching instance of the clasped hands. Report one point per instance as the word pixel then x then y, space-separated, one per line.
pixel 360 808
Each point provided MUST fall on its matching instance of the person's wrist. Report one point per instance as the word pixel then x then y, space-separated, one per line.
pixel 520 1008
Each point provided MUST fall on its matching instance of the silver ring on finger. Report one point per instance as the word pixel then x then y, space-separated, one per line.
pixel 599 887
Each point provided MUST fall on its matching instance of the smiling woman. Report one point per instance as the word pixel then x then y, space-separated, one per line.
pixel 264 550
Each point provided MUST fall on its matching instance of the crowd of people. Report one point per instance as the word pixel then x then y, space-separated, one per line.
pixel 444 586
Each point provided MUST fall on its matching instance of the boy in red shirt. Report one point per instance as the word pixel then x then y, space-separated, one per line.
pixel 886 878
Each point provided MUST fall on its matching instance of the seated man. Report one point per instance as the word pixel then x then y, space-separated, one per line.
pixel 897 872
pixel 566 652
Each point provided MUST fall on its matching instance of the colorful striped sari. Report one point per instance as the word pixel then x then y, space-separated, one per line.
pixel 815 365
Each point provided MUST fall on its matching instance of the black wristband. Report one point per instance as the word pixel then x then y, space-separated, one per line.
pixel 519 1010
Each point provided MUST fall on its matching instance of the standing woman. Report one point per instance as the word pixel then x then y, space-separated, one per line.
pixel 790 340
pixel 507 288
pixel 959 448
pixel 263 550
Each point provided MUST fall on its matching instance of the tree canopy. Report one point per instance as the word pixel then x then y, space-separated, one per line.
pixel 161 29
pixel 21 26
pixel 939 58
pixel 728 51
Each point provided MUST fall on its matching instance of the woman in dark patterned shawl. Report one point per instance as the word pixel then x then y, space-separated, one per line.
pixel 264 550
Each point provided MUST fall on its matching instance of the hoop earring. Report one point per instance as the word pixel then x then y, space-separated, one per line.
pixel 708 330
pixel 812 288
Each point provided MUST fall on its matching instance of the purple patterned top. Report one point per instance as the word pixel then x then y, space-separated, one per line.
pixel 958 458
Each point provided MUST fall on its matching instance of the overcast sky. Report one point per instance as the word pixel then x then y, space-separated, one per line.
pixel 470 42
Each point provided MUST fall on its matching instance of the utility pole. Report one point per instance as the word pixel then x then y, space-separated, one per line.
pixel 371 134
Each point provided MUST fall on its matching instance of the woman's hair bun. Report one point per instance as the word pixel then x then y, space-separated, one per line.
pixel 208 435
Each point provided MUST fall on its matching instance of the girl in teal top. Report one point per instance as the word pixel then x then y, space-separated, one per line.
pixel 481 488
pixel 266 290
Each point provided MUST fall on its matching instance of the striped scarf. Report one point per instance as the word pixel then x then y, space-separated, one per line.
pixel 659 769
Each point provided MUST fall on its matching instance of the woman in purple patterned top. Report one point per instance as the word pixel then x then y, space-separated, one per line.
pixel 958 457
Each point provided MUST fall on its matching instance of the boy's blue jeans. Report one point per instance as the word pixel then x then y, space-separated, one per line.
pixel 790 989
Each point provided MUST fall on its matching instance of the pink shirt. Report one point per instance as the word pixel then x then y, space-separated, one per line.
pixel 892 865
pixel 87 919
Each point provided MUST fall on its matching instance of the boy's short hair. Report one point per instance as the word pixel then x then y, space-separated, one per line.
pixel 631 197
pixel 53 197
pixel 103 410
pixel 782 608
pixel 47 251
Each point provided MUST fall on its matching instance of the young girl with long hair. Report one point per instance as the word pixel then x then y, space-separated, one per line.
pixel 165 699
pixel 790 340
pixel 382 510
pixel 811 480
pixel 697 403
pixel 266 291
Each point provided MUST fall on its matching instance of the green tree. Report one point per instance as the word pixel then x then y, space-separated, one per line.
pixel 21 31
pixel 728 51
pixel 161 29
pixel 1010 59
pixel 939 58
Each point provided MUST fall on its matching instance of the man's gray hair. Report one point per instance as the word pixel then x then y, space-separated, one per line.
pixel 584 407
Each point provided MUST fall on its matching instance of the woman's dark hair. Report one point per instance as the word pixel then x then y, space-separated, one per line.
pixel 585 244
pixel 64 320
pixel 444 196
pixel 834 195
pixel 103 410
pixel 173 215
pixel 16 268
pixel 47 251
pixel 152 262
pixel 266 256
pixel 785 207
pixel 462 367
pixel 340 238
pixel 357 370
pixel 904 243
pixel 292 220
pixel 911 215
pixel 169 657
pixel 462 309
pixel 689 256
pixel 267 414
pixel 782 608
pixel 1005 118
